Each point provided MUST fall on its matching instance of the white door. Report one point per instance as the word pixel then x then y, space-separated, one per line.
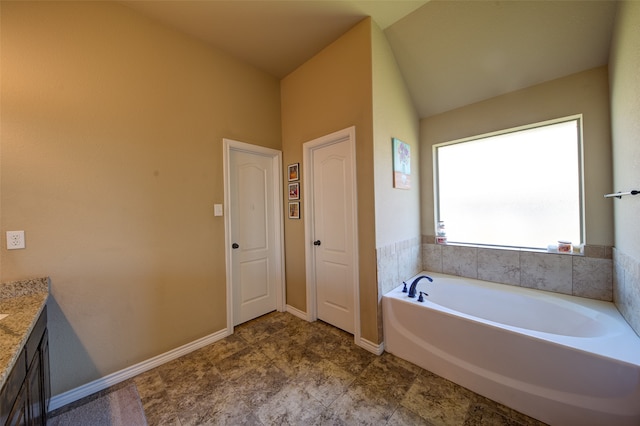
pixel 333 232
pixel 254 255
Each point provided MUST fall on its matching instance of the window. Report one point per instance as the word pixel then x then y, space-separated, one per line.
pixel 516 188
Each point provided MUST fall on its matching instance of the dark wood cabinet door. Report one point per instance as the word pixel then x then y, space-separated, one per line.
pixel 34 380
pixel 19 412
pixel 24 399
pixel 46 378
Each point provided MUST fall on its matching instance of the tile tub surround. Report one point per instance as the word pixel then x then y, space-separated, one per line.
pixel 23 301
pixel 396 262
pixel 589 276
pixel 626 285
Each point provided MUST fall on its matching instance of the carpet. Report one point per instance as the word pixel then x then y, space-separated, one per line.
pixel 121 407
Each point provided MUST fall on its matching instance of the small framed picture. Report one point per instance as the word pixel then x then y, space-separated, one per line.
pixel 294 172
pixel 401 164
pixel 294 191
pixel 294 210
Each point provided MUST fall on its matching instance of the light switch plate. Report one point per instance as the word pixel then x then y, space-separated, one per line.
pixel 15 240
pixel 217 209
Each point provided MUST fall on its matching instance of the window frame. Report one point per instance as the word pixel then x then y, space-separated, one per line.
pixel 581 190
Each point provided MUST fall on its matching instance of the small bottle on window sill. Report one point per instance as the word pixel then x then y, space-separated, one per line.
pixel 441 233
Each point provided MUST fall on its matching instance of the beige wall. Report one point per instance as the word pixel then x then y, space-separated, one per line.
pixel 397 210
pixel 625 123
pixel 111 145
pixel 584 93
pixel 625 112
pixel 330 92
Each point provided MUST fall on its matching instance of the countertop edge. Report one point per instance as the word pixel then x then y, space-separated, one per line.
pixel 26 287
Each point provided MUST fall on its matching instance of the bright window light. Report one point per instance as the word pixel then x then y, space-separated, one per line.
pixel 519 188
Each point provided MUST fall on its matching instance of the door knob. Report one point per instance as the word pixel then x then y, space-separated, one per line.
pixel 235 246
pixel 317 243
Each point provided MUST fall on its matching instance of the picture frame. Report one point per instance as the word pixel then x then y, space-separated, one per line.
pixel 293 172
pixel 401 164
pixel 294 210
pixel 294 191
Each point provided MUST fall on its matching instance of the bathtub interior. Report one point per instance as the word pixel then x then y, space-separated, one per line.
pixel 518 307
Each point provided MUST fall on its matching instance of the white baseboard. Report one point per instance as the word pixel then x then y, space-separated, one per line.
pixel 297 312
pixel 112 379
pixel 129 372
pixel 370 346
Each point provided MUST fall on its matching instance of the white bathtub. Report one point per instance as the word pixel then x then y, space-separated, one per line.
pixel 561 359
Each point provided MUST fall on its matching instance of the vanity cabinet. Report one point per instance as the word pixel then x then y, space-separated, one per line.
pixel 18 415
pixel 24 399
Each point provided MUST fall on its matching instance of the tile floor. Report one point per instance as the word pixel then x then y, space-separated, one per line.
pixel 279 369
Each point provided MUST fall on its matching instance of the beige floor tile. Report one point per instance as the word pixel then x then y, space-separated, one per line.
pixel 241 362
pixel 224 348
pixel 484 415
pixel 405 417
pixel 279 370
pixel 361 406
pixel 325 381
pixel 437 400
pixel 293 405
pixel 258 385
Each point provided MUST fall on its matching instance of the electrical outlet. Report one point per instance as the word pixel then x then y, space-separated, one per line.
pixel 15 240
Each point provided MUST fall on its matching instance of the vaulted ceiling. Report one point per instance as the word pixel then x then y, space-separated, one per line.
pixel 451 53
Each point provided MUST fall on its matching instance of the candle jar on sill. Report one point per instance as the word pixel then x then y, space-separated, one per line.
pixel 565 247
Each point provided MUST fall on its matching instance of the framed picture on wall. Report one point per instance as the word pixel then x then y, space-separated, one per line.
pixel 401 164
pixel 294 210
pixel 294 171
pixel 294 191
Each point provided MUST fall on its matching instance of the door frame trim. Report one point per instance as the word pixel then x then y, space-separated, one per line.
pixel 276 161
pixel 349 135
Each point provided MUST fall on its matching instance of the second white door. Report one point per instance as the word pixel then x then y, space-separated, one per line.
pixel 333 233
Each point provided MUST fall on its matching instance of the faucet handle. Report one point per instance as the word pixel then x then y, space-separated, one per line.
pixel 421 299
pixel 404 289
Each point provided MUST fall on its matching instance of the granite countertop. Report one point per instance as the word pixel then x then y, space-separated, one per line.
pixel 23 301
